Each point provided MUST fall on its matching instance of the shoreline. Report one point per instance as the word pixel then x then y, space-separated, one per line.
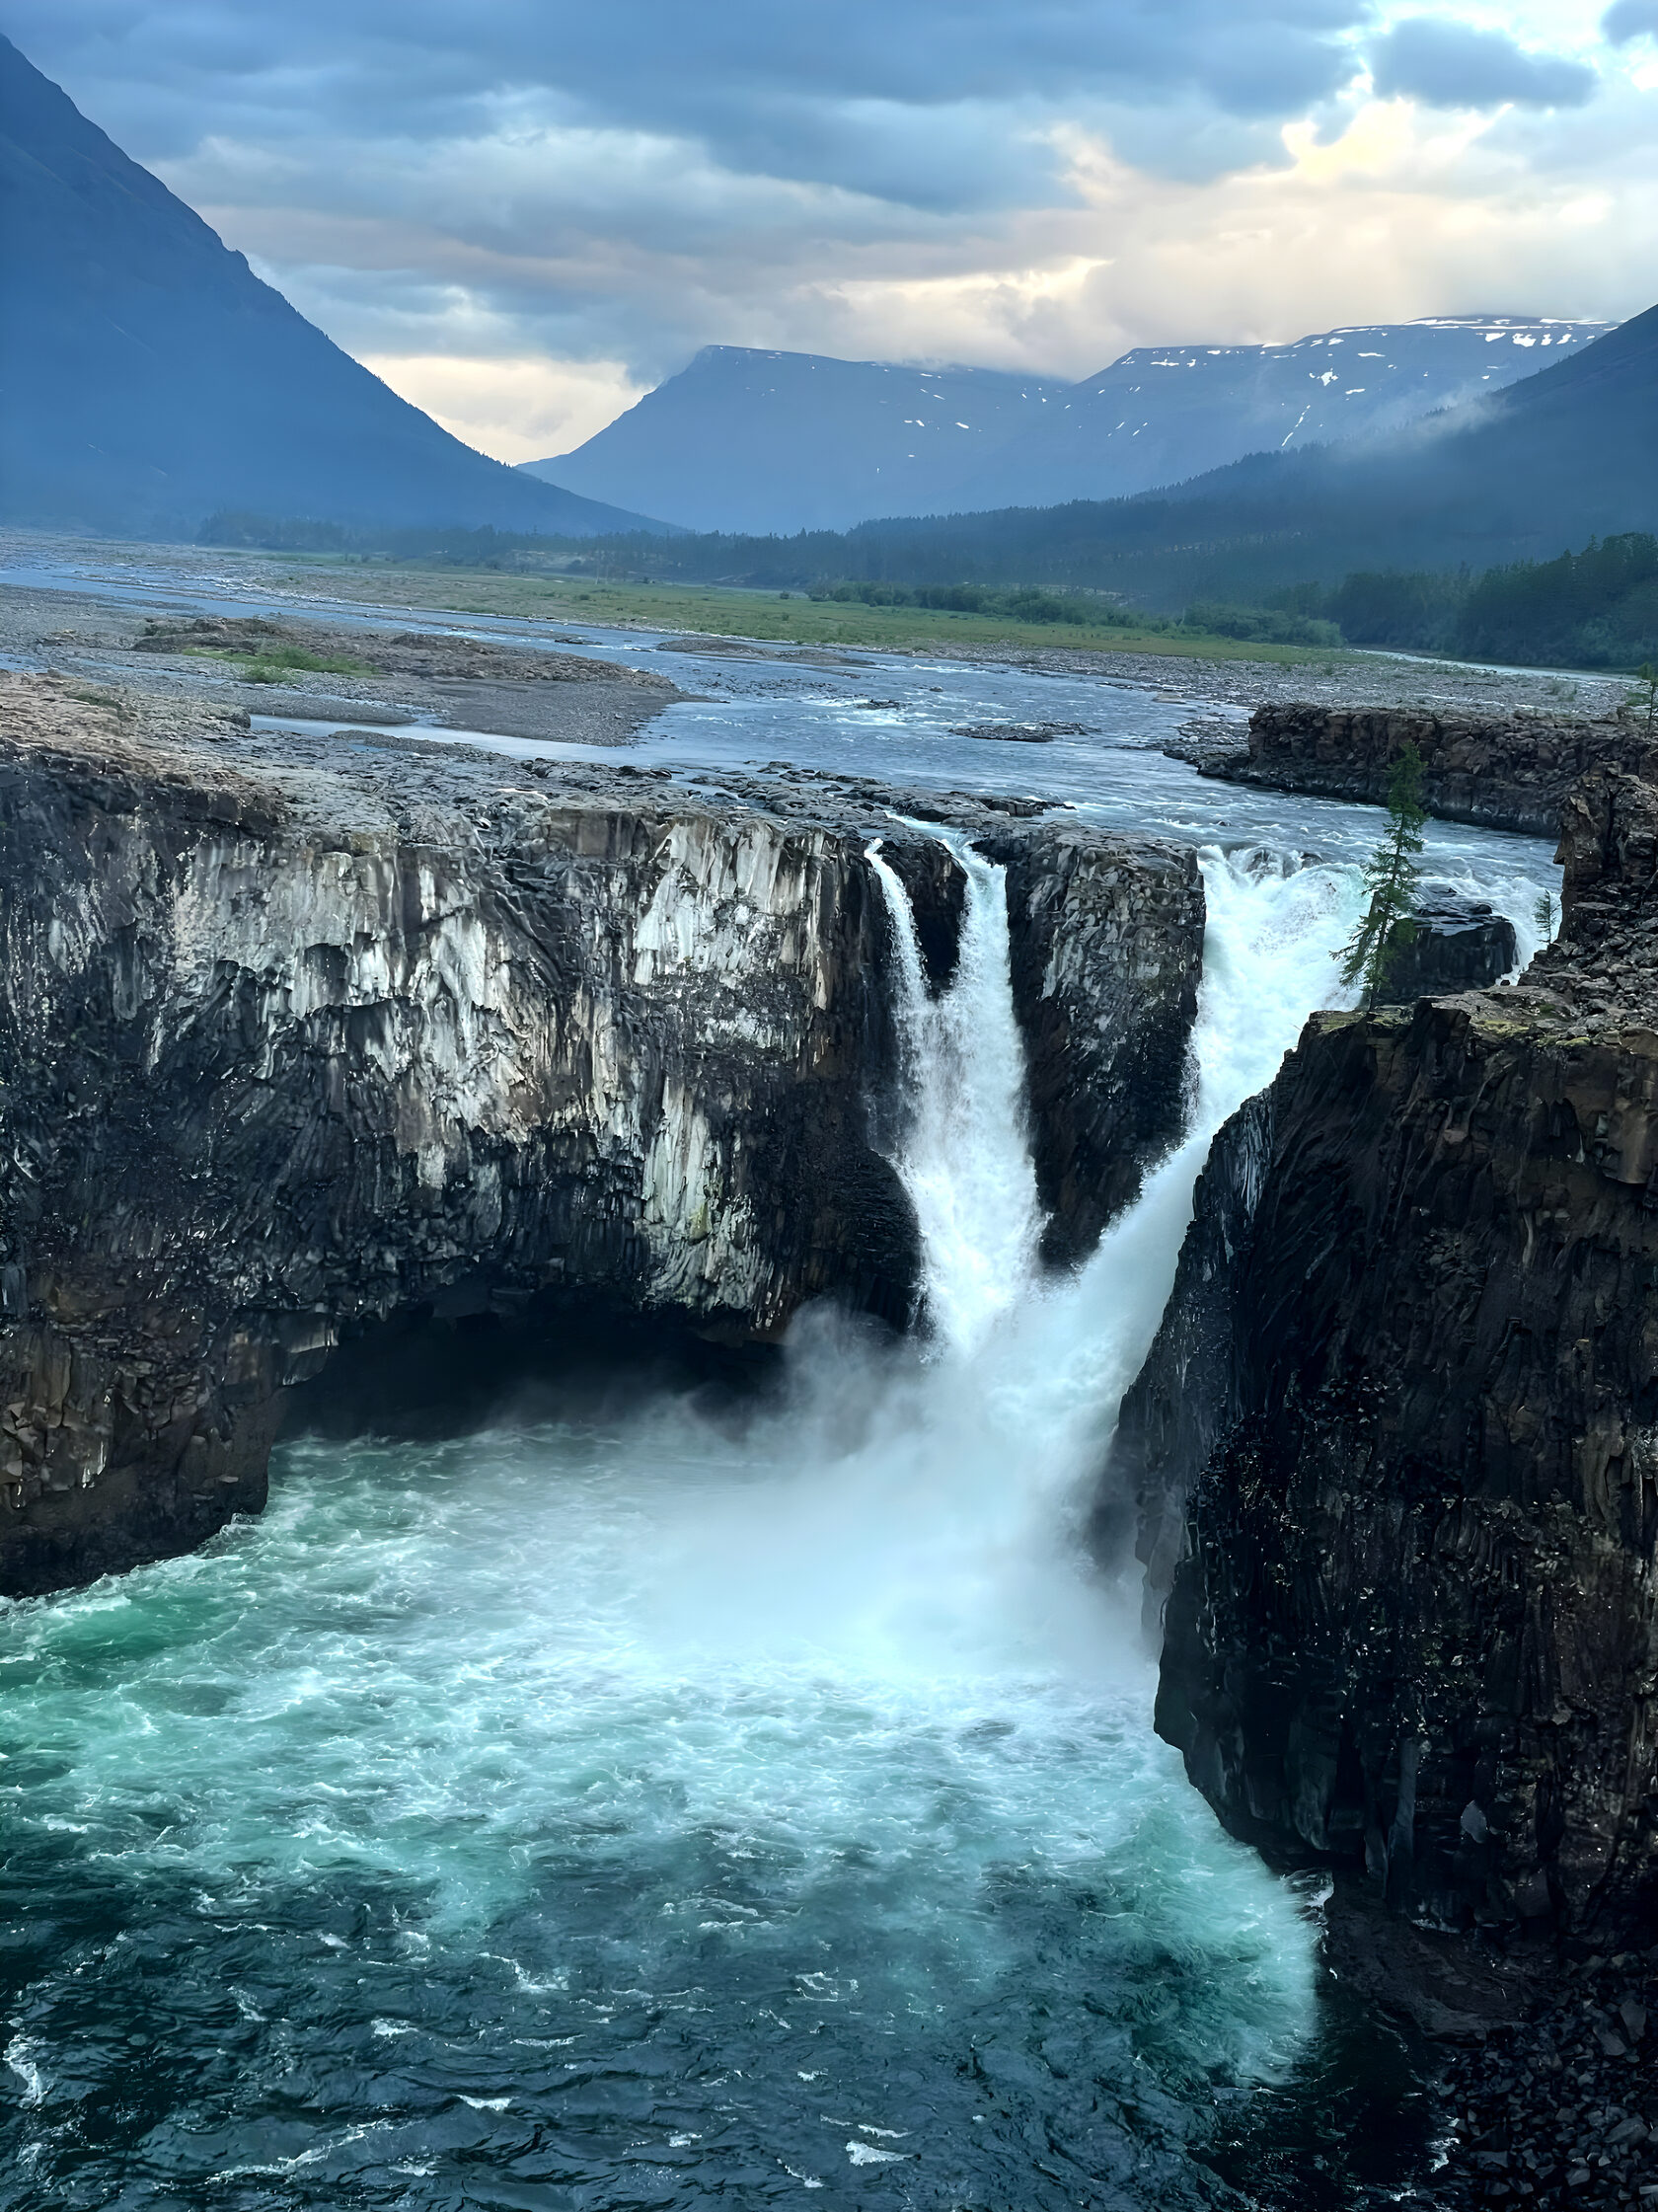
pixel 1239 677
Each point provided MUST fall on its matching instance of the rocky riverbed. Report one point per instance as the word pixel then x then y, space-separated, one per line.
pixel 321 672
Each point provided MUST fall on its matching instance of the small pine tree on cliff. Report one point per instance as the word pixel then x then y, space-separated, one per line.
pixel 1391 876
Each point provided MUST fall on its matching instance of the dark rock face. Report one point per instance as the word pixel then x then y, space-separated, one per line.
pixel 1459 945
pixel 1101 935
pixel 1396 1444
pixel 1502 771
pixel 283 1057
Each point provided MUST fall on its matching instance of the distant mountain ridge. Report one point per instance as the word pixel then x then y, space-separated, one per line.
pixel 752 441
pixel 147 377
pixel 1164 414
pixel 745 439
pixel 1558 459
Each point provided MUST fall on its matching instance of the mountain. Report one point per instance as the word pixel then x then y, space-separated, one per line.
pixel 1163 414
pixel 1566 456
pixel 747 441
pixel 147 377
pixel 750 442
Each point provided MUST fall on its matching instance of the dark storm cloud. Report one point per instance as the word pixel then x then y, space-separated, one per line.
pixel 822 95
pixel 1454 66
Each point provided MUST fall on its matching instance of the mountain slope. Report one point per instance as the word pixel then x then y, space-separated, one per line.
pixel 1164 414
pixel 147 376
pixel 750 440
pixel 1566 455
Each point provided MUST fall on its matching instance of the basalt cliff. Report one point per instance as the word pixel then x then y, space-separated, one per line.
pixel 1501 771
pixel 1396 1447
pixel 380 1035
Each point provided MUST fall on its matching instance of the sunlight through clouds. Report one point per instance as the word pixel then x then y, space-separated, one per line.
pixel 524 218
pixel 515 410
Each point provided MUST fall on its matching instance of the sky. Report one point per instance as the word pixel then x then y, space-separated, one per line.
pixel 525 214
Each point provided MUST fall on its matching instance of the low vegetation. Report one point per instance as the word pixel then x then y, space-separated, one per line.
pixel 790 618
pixel 1594 609
pixel 273 665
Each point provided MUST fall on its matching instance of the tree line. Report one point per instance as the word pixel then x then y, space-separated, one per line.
pixel 1592 609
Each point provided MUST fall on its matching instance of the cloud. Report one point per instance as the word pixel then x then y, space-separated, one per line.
pixel 525 212
pixel 517 410
pixel 1454 66
pixel 1629 19
pixel 818 97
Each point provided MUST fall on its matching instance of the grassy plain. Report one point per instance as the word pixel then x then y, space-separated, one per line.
pixel 710 610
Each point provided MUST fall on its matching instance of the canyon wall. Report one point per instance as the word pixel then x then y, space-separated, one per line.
pixel 287 1051
pixel 1396 1448
pixel 1501 771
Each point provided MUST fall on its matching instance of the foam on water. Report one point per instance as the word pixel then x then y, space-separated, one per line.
pixel 686 1803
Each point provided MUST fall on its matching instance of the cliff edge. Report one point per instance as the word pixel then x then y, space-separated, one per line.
pixel 298 1044
pixel 1396 1447
pixel 1501 771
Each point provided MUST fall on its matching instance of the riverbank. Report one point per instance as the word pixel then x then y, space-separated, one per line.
pixel 1223 671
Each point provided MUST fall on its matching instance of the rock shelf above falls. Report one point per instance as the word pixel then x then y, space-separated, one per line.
pixel 407 1033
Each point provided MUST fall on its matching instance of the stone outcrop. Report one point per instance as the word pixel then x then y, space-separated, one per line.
pixel 1106 989
pixel 1396 1447
pixel 1456 944
pixel 1501 771
pixel 289 1050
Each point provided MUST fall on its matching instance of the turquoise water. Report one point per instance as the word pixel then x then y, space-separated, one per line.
pixel 406 1848
pixel 695 1800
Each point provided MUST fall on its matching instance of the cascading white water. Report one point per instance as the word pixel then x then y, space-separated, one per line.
pixel 786 1780
pixel 965 1157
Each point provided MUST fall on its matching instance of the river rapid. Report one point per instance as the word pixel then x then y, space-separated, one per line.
pixel 668 1798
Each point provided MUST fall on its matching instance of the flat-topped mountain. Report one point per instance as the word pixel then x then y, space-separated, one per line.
pixel 148 377
pixel 750 441
pixel 1166 413
pixel 743 440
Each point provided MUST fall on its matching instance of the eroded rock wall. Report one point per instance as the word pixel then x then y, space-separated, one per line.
pixel 284 1054
pixel 1102 933
pixel 1502 771
pixel 1396 1446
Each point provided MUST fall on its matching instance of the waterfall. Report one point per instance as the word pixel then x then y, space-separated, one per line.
pixel 965 1152
pixel 922 1505
pixel 754 1768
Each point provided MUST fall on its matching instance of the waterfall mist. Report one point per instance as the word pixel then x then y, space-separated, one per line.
pixel 688 1804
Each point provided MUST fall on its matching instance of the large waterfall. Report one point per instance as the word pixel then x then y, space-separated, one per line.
pixel 675 1800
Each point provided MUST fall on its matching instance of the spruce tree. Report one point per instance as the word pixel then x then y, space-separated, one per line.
pixel 1391 876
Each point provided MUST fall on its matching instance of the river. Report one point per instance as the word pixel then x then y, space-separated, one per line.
pixel 668 1799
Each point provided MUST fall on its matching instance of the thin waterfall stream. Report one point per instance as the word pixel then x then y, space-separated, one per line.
pixel 642 1803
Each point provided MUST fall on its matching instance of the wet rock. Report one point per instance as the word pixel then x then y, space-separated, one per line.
pixel 1458 945
pixel 1394 1447
pixel 1506 770
pixel 1103 932
pixel 1022 732
pixel 288 1052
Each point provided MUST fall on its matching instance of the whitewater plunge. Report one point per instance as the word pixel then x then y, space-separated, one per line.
pixel 677 1802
